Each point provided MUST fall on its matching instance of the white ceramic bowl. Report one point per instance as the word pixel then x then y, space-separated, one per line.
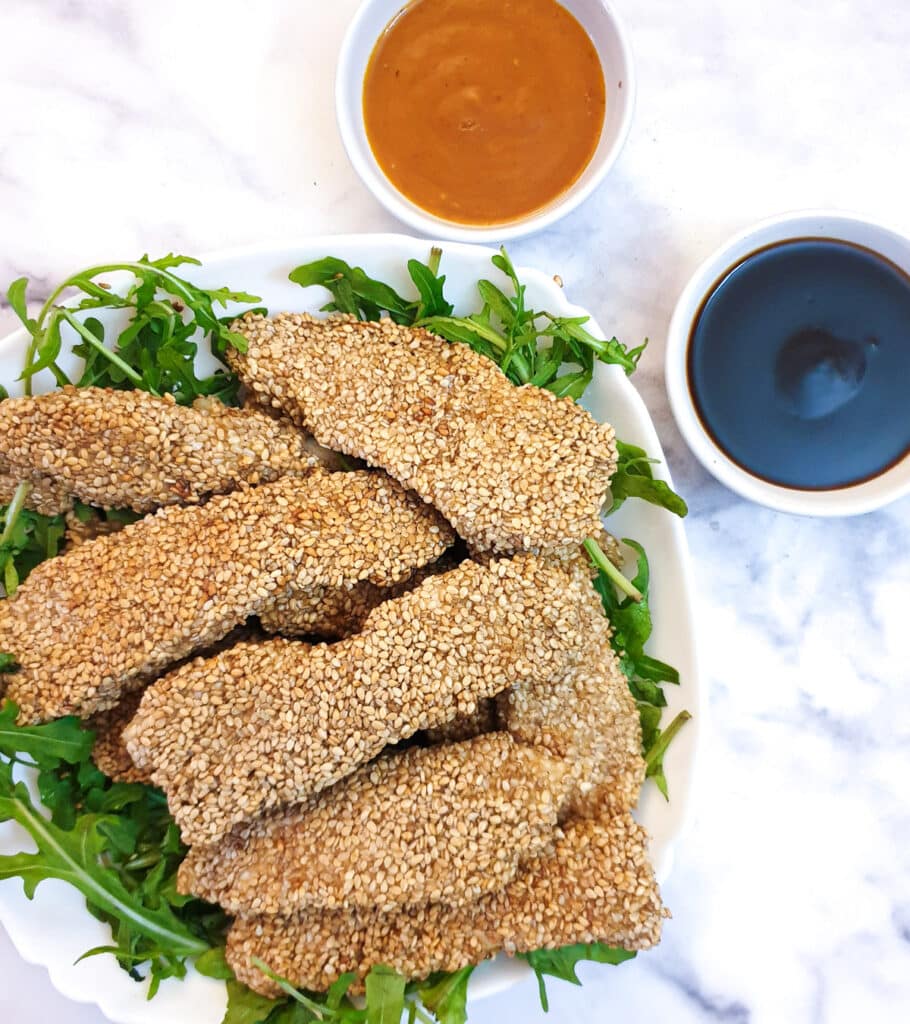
pixel 606 31
pixel 845 501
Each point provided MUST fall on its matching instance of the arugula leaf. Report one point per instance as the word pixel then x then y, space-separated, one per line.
pixel 27 539
pixel 445 995
pixel 115 842
pixel 244 1006
pixel 561 963
pixel 8 663
pixel 77 856
pixel 431 287
pixel 353 291
pixel 635 479
pixel 631 622
pixel 156 351
pixel 16 297
pixel 504 330
pixel 385 995
pixel 46 745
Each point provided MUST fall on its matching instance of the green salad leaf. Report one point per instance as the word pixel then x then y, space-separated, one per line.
pixel 155 351
pixel 43 745
pixel 446 995
pixel 634 478
pixel 562 963
pixel 630 618
pixel 26 539
pixel 531 346
pixel 115 842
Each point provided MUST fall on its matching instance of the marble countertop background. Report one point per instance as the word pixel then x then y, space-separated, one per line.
pixel 128 127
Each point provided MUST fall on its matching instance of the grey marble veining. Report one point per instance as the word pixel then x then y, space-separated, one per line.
pixel 127 127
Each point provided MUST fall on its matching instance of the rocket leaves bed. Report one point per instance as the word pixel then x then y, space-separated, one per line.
pixel 117 843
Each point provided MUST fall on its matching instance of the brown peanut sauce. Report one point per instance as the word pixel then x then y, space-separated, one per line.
pixel 483 111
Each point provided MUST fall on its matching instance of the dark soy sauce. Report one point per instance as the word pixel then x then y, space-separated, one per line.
pixel 799 364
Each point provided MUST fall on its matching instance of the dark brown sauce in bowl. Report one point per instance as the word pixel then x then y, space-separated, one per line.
pixel 484 111
pixel 798 364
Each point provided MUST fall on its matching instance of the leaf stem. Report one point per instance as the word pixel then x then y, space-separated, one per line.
pixel 666 737
pixel 603 563
pixel 13 510
pixel 87 336
pixel 319 1011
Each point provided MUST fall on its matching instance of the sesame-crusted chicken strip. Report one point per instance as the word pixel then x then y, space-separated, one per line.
pixel 282 721
pixel 130 449
pixel 597 886
pixel 109 752
pixel 337 612
pixel 441 824
pixel 512 468
pixel 98 621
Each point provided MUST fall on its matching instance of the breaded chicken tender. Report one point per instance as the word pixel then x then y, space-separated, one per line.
pixel 281 721
pixel 597 886
pixel 444 824
pixel 98 621
pixel 512 468
pixel 130 449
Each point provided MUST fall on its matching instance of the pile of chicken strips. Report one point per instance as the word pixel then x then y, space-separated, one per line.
pixel 355 641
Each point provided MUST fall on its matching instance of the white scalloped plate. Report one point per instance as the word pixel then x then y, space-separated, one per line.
pixel 54 929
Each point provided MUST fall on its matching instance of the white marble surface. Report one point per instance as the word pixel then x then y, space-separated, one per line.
pixel 134 126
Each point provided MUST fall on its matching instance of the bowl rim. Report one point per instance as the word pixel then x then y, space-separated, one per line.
pixel 857 499
pixel 396 203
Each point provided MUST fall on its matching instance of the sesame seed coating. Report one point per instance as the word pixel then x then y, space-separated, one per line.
pixel 109 752
pixel 336 612
pixel 465 727
pixel 45 495
pixel 130 449
pixel 264 725
pixel 97 621
pixel 587 717
pixel 444 824
pixel 512 468
pixel 596 886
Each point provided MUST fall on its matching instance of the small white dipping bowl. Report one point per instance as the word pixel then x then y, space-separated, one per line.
pixel 844 501
pixel 602 25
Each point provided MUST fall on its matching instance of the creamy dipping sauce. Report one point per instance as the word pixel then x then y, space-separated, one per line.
pixel 483 111
pixel 799 364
